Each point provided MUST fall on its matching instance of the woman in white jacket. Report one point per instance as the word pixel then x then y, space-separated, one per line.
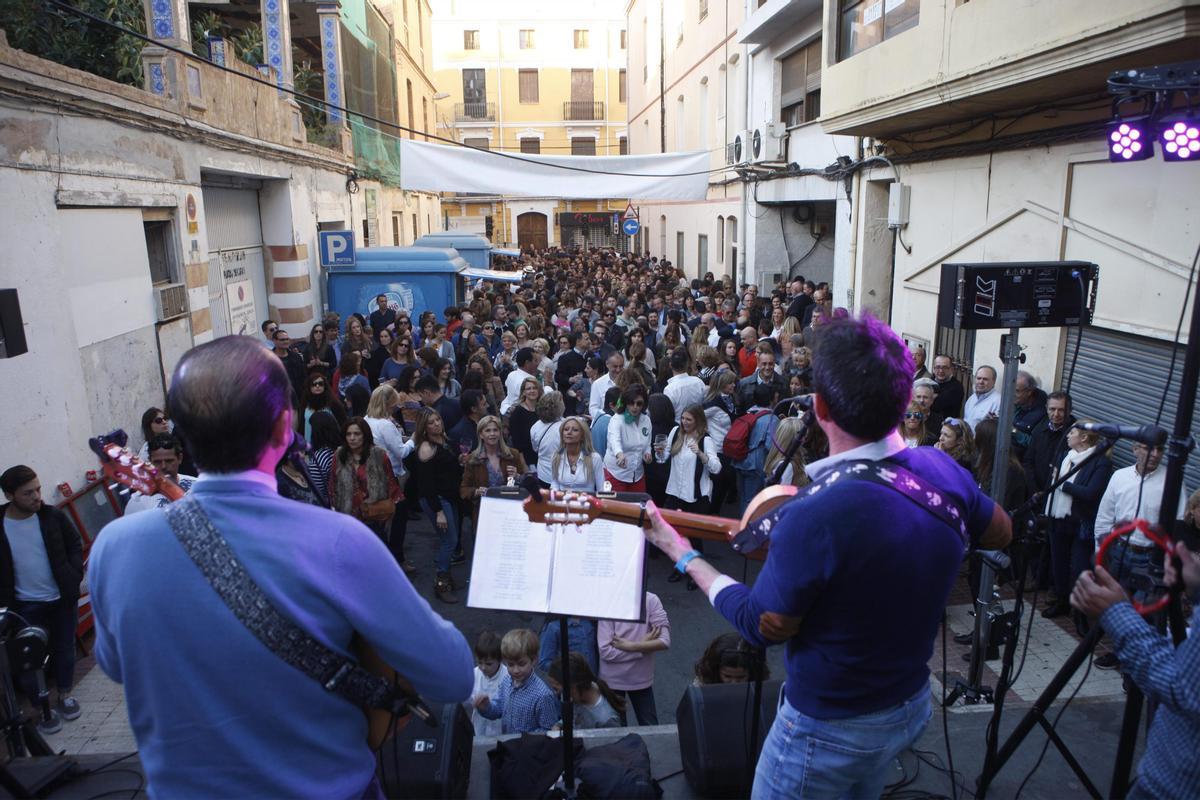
pixel 628 442
pixel 694 460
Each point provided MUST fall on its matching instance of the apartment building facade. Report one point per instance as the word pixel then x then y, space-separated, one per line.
pixel 997 125
pixel 687 93
pixel 534 78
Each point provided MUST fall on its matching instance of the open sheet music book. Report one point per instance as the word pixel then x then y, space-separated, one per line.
pixel 595 571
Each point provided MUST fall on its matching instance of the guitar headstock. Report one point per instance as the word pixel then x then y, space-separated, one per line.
pixel 560 508
pixel 122 466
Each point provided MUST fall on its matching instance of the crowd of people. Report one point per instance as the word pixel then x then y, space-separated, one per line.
pixel 606 372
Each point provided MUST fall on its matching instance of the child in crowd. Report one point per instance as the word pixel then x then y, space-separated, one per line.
pixel 727 659
pixel 596 705
pixel 627 656
pixel 525 703
pixel 489 675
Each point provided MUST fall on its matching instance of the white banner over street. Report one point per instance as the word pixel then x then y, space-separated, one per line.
pixel 446 168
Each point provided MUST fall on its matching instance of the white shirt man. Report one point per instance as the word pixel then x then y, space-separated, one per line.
pixel 616 363
pixel 1120 501
pixel 166 456
pixel 683 390
pixel 985 402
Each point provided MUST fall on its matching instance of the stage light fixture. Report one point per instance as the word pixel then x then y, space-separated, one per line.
pixel 1130 139
pixel 1180 138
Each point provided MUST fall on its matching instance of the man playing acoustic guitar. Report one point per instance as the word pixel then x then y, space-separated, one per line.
pixel 215 711
pixel 857 576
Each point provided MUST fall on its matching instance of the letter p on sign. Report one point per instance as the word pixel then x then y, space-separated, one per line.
pixel 336 248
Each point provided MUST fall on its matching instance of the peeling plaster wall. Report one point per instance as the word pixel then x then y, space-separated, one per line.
pixel 77 168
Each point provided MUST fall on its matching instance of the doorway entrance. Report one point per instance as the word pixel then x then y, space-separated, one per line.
pixel 531 230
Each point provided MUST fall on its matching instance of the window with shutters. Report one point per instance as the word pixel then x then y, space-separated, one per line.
pixel 527 85
pixel 622 87
pixel 581 39
pixel 583 146
pixel 623 146
pixel 866 23
pixel 526 38
pixel 531 145
pixel 800 85
pixel 624 43
pixel 470 40
pixel 481 142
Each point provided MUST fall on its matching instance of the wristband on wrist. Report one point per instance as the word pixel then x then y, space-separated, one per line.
pixel 686 559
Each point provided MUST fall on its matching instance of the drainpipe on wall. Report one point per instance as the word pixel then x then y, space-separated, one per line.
pixel 744 227
pixel 856 193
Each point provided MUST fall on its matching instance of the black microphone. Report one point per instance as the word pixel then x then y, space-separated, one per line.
pixel 1151 435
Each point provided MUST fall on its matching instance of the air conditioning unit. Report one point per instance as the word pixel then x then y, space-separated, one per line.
pixel 766 143
pixel 741 148
pixel 171 300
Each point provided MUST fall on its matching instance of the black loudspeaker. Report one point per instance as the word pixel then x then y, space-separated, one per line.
pixel 12 327
pixel 714 726
pixel 424 761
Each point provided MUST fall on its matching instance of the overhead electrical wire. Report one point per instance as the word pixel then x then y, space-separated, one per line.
pixel 330 106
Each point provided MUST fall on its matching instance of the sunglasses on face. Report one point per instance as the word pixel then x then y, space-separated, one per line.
pixel 315 384
pixel 914 415
pixel 160 420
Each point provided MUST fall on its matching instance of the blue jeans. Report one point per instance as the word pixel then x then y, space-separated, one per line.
pixel 1133 570
pixel 449 537
pixel 812 758
pixel 748 485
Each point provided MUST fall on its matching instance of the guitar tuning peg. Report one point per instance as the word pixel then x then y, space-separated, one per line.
pixel 112 487
pixel 123 492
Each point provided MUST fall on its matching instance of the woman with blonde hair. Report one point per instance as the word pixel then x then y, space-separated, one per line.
pixel 957 441
pixel 576 467
pixel 915 427
pixel 492 463
pixel 793 474
pixel 522 417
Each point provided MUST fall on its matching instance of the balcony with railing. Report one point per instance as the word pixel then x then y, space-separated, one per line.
pixel 474 112
pixel 581 110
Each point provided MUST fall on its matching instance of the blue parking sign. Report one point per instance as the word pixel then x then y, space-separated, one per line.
pixel 631 226
pixel 336 248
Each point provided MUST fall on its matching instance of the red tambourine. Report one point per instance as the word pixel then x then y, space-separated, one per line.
pixel 1154 534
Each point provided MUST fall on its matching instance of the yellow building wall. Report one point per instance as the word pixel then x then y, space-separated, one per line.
pixel 554 56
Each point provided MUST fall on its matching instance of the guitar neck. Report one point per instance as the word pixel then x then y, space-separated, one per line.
pixel 170 489
pixel 693 526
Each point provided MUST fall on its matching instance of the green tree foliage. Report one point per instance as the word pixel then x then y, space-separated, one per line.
pixel 74 41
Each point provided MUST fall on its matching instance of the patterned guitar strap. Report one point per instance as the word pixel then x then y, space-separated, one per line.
pixel 883 473
pixel 225 574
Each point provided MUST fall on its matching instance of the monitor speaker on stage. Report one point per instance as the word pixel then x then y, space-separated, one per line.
pixel 12 327
pixel 430 762
pixel 1018 294
pixel 714 727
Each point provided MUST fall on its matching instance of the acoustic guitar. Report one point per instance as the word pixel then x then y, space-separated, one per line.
pixel 123 467
pixel 580 509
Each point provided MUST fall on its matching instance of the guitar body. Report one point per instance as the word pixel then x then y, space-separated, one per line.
pixel 381 724
pixel 128 470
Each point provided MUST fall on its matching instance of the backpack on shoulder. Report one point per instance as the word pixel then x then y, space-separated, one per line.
pixel 737 441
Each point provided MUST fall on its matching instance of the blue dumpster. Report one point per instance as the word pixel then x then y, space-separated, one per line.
pixel 474 248
pixel 413 278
